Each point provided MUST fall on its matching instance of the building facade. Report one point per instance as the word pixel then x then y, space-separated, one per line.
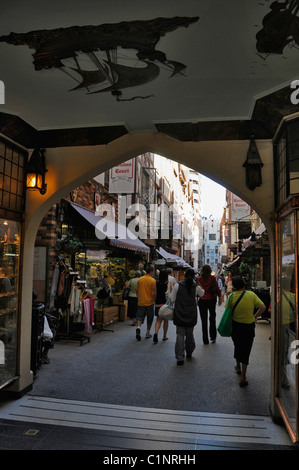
pixel 211 244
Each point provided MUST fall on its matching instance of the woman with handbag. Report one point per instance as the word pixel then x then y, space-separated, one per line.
pixel 163 289
pixel 184 295
pixel 249 308
pixel 207 303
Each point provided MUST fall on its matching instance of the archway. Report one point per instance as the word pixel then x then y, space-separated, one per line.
pixel 70 166
pixel 117 361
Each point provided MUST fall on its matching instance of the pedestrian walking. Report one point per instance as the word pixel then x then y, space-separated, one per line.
pixel 163 291
pixel 184 296
pixel 249 308
pixel 207 303
pixel 228 284
pixel 171 277
pixel 132 297
pixel 223 290
pixel 146 294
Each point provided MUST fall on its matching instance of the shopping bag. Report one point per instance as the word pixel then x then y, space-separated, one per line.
pixel 166 312
pixel 225 326
pixel 226 323
pixel 47 330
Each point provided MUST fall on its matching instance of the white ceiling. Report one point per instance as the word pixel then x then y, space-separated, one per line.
pixel 223 78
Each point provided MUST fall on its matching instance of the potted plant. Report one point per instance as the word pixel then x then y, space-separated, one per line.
pixel 69 244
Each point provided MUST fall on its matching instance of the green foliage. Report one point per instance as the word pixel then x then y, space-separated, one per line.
pixel 69 244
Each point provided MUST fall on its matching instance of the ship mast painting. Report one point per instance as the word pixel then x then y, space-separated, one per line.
pixel 105 58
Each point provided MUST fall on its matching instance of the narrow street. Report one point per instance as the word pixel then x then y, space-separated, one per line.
pixel 115 393
pixel 114 368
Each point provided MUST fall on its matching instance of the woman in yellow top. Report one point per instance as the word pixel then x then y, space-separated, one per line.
pixel 249 308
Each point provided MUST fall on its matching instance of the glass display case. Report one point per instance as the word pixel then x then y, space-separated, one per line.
pixel 9 282
pixel 287 332
pixel 286 170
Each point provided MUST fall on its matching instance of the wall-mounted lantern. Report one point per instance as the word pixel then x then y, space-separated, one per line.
pixel 253 165
pixel 36 170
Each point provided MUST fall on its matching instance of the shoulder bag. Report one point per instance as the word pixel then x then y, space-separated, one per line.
pixel 126 292
pixel 226 323
pixel 166 311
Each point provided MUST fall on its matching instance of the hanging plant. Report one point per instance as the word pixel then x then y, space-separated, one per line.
pixel 245 268
pixel 69 244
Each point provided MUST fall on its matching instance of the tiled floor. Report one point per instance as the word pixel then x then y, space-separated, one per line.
pixel 49 424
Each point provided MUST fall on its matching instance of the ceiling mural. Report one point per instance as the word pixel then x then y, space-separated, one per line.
pixel 280 28
pixel 134 61
pixel 108 57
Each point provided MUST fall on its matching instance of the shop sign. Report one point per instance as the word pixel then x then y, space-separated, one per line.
pixel 122 178
pixel 240 209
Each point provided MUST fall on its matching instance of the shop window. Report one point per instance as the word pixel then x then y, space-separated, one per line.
pixel 9 282
pixel 287 320
pixel 12 202
pixel 286 161
pixel 12 163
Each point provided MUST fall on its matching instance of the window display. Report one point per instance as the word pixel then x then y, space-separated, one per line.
pixel 9 281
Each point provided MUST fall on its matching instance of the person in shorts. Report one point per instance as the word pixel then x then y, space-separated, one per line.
pixel 146 295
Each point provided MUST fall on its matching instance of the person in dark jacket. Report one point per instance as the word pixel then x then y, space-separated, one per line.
pixel 207 303
pixel 184 296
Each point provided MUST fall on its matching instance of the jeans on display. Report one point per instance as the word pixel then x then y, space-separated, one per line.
pixel 206 306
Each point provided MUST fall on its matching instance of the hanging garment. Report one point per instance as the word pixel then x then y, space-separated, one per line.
pixel 86 316
pixel 54 286
pixel 75 303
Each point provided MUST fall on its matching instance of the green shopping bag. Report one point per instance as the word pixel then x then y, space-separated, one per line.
pixel 225 326
pixel 226 323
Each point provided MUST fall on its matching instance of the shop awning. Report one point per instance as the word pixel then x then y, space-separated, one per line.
pixel 232 262
pixel 261 229
pixel 170 258
pixel 248 242
pixel 118 235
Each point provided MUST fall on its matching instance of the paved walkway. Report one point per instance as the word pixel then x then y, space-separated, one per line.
pixel 117 393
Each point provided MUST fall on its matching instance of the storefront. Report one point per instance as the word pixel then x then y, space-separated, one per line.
pixel 12 163
pixel 92 270
pixel 287 243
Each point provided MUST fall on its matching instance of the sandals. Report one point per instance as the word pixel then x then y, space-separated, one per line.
pixel 243 383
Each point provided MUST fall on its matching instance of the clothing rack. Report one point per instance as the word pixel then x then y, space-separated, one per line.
pixel 67 277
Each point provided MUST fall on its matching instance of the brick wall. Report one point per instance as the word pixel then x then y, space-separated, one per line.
pixel 50 228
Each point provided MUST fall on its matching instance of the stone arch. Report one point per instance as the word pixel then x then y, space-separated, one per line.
pixel 70 166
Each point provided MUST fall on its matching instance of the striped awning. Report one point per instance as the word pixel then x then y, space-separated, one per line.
pixel 170 258
pixel 118 235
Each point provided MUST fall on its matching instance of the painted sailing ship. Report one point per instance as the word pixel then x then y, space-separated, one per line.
pixel 55 48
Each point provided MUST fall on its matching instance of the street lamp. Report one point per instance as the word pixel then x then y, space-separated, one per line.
pixel 36 170
pixel 253 165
